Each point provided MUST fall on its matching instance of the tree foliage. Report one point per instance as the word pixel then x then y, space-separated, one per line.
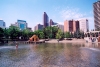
pixel 48 32
pixel 67 35
pixel 6 33
pixel 14 32
pixel 1 32
pixel 59 34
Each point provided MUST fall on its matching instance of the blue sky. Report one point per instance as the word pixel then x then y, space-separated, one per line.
pixel 57 10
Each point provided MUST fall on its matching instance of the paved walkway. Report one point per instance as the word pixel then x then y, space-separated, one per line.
pixel 66 41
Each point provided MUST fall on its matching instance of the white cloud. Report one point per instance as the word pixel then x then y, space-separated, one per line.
pixel 74 13
pixel 71 13
pixel 60 23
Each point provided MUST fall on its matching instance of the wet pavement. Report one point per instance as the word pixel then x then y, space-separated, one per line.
pixel 50 55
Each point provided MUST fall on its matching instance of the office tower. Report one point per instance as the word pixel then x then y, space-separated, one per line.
pixel 96 11
pixel 38 27
pixel 45 20
pixel 60 26
pixel 83 24
pixel 35 28
pixel 71 26
pixel 51 22
pixel 66 26
pixel 30 29
pixel 22 24
pixel 2 24
pixel 77 25
pixel 16 24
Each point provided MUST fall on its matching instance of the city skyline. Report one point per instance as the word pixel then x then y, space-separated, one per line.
pixel 32 11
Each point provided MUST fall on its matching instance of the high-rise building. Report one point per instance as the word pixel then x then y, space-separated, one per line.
pixel 35 28
pixel 77 25
pixel 22 24
pixel 66 26
pixel 38 27
pixel 2 24
pixel 71 26
pixel 83 25
pixel 96 10
pixel 16 24
pixel 45 20
pixel 30 29
pixel 51 22
pixel 60 26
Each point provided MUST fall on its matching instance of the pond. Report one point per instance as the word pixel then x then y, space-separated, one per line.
pixel 50 55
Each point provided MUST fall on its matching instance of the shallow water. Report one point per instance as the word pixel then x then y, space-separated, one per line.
pixel 50 55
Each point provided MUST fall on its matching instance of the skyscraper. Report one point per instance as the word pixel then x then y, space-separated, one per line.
pixel 51 22
pixel 2 24
pixel 77 25
pixel 96 10
pixel 71 26
pixel 38 27
pixel 66 26
pixel 22 24
pixel 45 20
pixel 83 23
pixel 60 26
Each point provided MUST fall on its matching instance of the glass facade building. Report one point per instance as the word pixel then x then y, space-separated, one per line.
pixel 22 24
pixel 2 24
pixel 45 20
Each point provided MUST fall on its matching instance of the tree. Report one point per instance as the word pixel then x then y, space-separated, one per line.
pixel 25 34
pixel 14 32
pixel 77 34
pixel 41 35
pixel 67 35
pixel 1 35
pixel 54 31
pixel 1 32
pixel 59 34
pixel 82 34
pixel 48 32
pixel 71 35
pixel 31 34
pixel 6 33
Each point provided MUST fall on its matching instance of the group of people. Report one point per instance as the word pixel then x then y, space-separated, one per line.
pixel 93 39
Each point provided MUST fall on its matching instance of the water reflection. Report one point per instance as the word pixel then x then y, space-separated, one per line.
pixel 51 55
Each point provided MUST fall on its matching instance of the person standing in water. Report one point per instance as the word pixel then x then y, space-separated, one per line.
pixel 16 46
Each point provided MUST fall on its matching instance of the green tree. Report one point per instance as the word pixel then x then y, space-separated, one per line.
pixel 71 35
pixel 31 34
pixel 59 34
pixel 6 33
pixel 1 33
pixel 82 34
pixel 14 32
pixel 25 34
pixel 78 34
pixel 67 35
pixel 39 33
pixel 50 32
pixel 54 31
